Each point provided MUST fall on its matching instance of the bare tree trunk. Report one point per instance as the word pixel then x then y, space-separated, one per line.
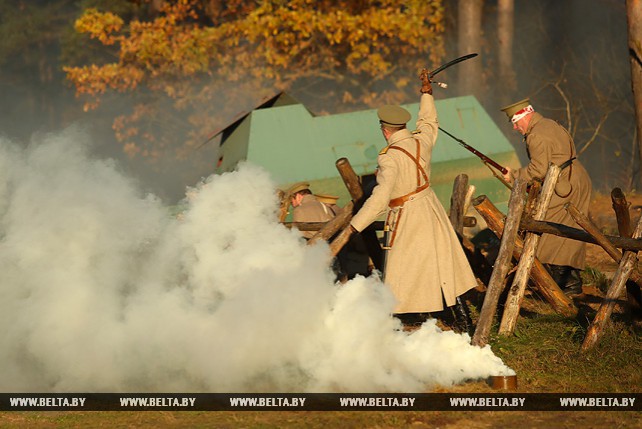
pixel 469 39
pixel 634 21
pixel 505 35
pixel 45 74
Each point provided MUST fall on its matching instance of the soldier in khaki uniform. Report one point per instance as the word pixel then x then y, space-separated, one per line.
pixel 330 201
pixel 307 208
pixel 548 142
pixel 353 258
pixel 426 265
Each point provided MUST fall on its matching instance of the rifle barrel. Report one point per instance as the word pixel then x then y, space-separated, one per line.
pixel 480 155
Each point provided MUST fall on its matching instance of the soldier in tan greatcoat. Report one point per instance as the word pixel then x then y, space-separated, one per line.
pixel 548 142
pixel 425 265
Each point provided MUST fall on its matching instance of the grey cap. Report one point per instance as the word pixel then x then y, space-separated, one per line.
pixel 395 116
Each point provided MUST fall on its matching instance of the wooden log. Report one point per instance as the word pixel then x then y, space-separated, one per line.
pixel 342 220
pixel 470 221
pixel 583 221
pixel 305 226
pixel 333 225
pixel 350 179
pixel 629 259
pixel 621 208
pixel 533 192
pixel 457 207
pixel 542 281
pixel 502 265
pixel 341 240
pixel 516 292
pixel 353 185
pixel 469 197
pixel 457 203
pixel 544 227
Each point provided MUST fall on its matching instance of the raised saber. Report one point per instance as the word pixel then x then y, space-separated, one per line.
pixel 448 64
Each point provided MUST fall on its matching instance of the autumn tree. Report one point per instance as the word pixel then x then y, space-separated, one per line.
pixel 195 64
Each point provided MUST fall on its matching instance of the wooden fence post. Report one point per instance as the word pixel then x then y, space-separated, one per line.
pixel 457 214
pixel 341 221
pixel 516 292
pixel 621 209
pixel 351 181
pixel 333 225
pixel 583 221
pixel 457 203
pixel 502 264
pixel 543 283
pixel 615 290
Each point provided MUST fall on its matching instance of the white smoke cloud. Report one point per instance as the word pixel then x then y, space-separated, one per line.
pixel 103 291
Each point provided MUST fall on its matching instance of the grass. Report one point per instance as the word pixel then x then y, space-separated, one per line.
pixel 545 353
pixel 594 277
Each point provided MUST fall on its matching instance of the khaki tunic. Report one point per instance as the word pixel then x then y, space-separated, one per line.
pixel 546 142
pixel 311 210
pixel 426 259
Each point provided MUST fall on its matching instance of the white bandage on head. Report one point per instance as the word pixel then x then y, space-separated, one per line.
pixel 521 113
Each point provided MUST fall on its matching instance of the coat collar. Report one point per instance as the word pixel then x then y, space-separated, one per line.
pixel 534 120
pixel 399 136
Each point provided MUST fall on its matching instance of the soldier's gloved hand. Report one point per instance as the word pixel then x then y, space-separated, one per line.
pixel 426 86
pixel 508 177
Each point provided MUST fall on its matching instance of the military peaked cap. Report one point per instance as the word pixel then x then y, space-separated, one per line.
pixel 511 109
pixel 297 187
pixel 395 116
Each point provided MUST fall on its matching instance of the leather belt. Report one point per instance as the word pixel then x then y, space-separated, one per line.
pixel 400 201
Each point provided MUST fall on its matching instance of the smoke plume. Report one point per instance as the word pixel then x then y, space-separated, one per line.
pixel 103 290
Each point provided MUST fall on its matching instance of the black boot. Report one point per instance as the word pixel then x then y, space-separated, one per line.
pixel 574 283
pixel 567 278
pixel 463 322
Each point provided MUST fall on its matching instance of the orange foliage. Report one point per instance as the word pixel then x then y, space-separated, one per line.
pixel 366 52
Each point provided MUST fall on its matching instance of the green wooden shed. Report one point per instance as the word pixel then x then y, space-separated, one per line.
pixel 285 138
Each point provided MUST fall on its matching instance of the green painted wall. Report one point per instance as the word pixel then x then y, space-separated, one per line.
pixel 293 145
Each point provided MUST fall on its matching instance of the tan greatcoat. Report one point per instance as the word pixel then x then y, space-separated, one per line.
pixel 546 142
pixel 426 259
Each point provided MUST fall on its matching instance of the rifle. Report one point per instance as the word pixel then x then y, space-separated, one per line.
pixel 485 159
